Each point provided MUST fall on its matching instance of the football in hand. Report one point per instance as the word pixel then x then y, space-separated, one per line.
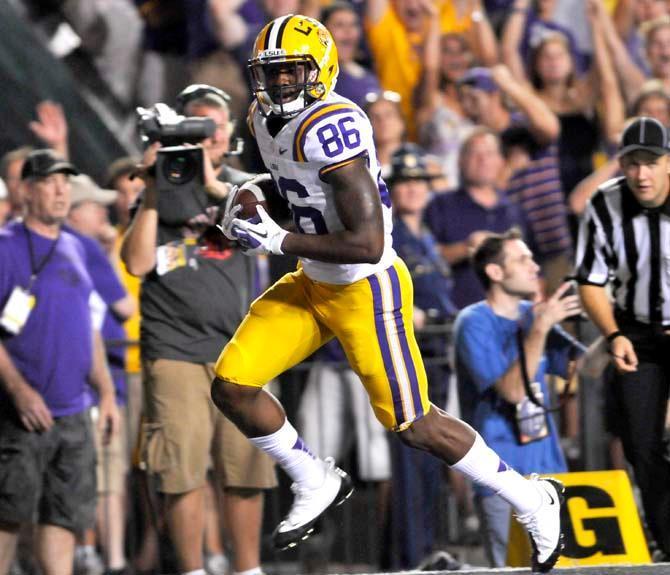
pixel 251 194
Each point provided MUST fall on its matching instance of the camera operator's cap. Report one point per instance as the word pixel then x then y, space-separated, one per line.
pixel 201 92
pixel 409 162
pixel 84 189
pixel 479 78
pixel 44 162
pixel 646 134
pixel 123 166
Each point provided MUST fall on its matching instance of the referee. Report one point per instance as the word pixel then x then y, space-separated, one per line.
pixel 624 242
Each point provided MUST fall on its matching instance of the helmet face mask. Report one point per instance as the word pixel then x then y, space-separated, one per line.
pixel 294 65
pixel 286 85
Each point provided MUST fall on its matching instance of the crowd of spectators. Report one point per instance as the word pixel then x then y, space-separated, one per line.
pixel 487 115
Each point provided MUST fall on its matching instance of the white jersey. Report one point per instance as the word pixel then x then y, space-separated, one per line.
pixel 326 135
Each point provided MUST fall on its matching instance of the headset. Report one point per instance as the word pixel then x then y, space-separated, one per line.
pixel 207 92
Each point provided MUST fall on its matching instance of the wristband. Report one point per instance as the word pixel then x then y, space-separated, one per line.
pixel 611 337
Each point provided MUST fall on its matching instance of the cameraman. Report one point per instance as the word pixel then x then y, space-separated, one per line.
pixel 194 294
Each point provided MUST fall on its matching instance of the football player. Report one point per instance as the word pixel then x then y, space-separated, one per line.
pixel 350 285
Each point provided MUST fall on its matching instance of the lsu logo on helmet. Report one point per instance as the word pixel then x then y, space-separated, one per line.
pixel 294 64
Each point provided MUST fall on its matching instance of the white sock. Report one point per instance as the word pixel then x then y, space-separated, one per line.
pixel 484 466
pixel 254 571
pixel 195 572
pixel 291 453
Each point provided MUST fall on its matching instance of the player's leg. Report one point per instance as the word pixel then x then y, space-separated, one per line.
pixel 279 331
pixel 382 349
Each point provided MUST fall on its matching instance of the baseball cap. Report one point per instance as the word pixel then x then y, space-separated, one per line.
pixel 479 78
pixel 84 189
pixel 44 162
pixel 644 133
pixel 408 162
pixel 125 165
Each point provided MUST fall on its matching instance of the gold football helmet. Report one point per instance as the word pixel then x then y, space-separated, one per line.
pixel 294 64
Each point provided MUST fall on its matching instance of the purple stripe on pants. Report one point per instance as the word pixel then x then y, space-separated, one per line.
pixel 384 348
pixel 404 344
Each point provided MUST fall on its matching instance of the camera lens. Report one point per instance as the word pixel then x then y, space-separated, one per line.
pixel 179 169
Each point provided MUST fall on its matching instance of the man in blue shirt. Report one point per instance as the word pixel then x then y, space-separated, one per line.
pixel 490 377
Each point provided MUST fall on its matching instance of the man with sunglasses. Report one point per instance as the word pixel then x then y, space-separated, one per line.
pixel 194 294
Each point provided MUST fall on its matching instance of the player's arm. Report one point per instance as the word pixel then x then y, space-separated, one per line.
pixel 359 208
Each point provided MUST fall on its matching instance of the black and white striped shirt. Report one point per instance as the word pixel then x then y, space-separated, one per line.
pixel 625 244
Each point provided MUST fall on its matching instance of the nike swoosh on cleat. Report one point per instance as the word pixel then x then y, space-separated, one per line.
pixel 283 150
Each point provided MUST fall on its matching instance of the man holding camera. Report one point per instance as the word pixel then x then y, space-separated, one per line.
pixel 505 346
pixel 194 294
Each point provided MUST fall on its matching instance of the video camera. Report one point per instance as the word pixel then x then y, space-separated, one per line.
pixel 176 164
pixel 179 165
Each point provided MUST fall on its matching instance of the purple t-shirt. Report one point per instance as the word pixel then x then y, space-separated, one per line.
pixel 110 289
pixel 452 217
pixel 356 87
pixel 54 351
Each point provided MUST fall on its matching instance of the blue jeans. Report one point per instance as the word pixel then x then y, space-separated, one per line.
pixel 494 515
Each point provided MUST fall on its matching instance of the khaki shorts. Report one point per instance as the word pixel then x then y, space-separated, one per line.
pixel 112 465
pixel 183 431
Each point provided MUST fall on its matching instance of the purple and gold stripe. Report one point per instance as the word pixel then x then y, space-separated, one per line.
pixel 394 346
pixel 318 113
pixel 385 350
pixel 404 344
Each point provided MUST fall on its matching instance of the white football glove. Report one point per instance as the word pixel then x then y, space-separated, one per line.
pixel 229 214
pixel 258 235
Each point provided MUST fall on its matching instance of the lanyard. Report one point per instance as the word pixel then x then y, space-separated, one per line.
pixel 35 269
pixel 526 379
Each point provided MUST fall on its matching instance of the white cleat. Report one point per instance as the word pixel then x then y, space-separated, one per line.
pixel 544 525
pixel 310 504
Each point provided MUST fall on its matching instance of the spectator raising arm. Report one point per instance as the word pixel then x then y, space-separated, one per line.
pixel 511 39
pixel 542 122
pixel 375 10
pixel 51 127
pixel 480 35
pixel 231 29
pixel 583 191
pixel 630 76
pixel 427 95
pixel 613 110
